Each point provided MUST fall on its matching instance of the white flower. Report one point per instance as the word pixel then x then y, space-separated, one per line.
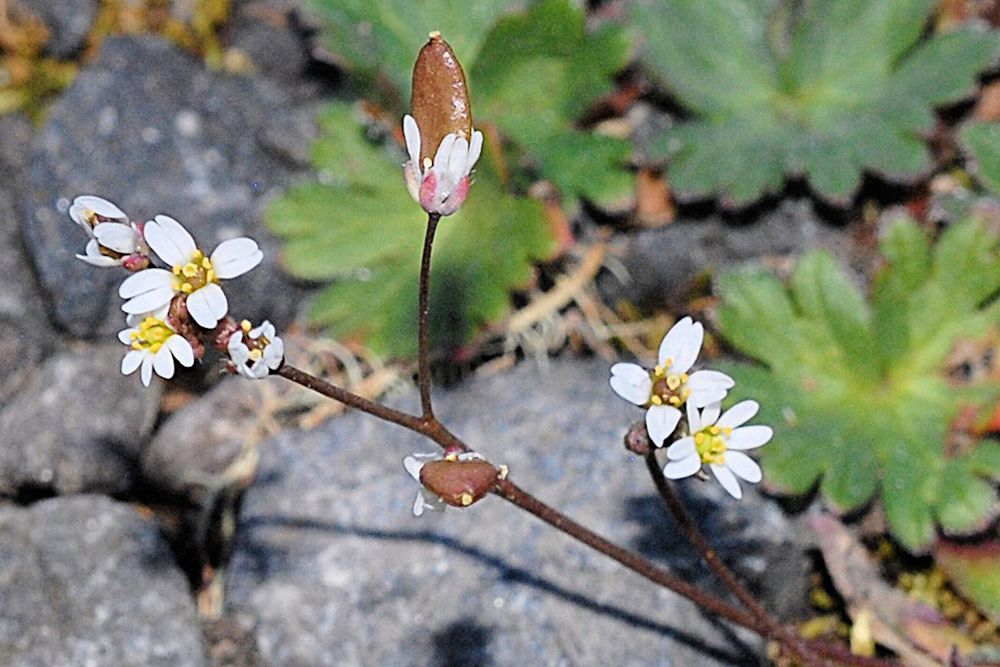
pixel 440 185
pixel 718 442
pixel 113 239
pixel 668 386
pixel 192 273
pixel 255 352
pixel 154 345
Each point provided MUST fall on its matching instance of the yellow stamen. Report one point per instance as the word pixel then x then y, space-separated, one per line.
pixel 466 499
pixel 656 400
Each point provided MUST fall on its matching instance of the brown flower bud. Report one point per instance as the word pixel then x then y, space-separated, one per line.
pixel 440 101
pixel 457 481
pixel 637 440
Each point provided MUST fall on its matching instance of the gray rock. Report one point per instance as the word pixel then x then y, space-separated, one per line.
pixel 76 425
pixel 87 581
pixel 152 130
pixel 68 21
pixel 663 263
pixel 201 439
pixel 339 573
pixel 25 333
pixel 263 32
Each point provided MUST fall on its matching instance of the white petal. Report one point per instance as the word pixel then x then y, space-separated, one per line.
pixel 207 305
pixel 690 349
pixel 125 336
pixel 443 153
pixel 682 468
pixel 95 258
pixel 748 437
pixel 274 353
pixel 743 466
pixel 673 344
pixel 413 466
pixel 694 417
pixel 682 449
pixel 710 414
pixel 131 361
pixel 147 369
pixel 456 162
pixel 708 387
pixel 475 149
pixel 661 420
pixel 181 349
pixel 150 301
pixel 728 480
pixel 144 281
pixel 117 237
pixel 632 383
pixel 411 133
pixel 169 240
pixel 163 363
pixel 84 204
pixel 739 414
pixel 418 504
pixel 235 257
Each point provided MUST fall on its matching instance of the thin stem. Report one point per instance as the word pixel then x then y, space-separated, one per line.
pixel 423 355
pixel 515 494
pixel 434 430
pixel 690 529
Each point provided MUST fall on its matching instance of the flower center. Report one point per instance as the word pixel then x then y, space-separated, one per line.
pixel 711 444
pixel 668 388
pixel 255 345
pixel 194 275
pixel 151 335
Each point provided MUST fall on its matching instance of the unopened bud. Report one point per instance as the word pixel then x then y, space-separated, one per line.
pixel 459 481
pixel 440 100
pixel 637 440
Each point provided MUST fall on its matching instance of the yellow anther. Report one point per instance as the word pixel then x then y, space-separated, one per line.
pixel 245 325
pixel 136 345
pixel 428 163
pixel 466 499
pixel 210 276
pixel 699 438
pixel 668 362
pixel 727 430
pixel 714 430
pixel 684 377
pixel 155 347
pixel 256 355
pixel 659 371
pixel 674 401
pixel 177 270
pixel 451 457
pixel 197 256
pixel 190 270
pixel 206 263
pixel 656 400
pixel 187 288
pixel 673 382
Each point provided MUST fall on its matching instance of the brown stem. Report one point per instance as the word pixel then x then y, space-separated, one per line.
pixel 690 529
pixel 434 430
pixel 423 354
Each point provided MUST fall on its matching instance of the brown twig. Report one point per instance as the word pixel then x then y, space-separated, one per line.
pixel 423 354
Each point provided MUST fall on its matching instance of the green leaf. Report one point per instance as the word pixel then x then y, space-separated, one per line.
pixel 363 230
pixel 829 91
pixel 982 140
pixel 378 40
pixel 853 417
pixel 975 570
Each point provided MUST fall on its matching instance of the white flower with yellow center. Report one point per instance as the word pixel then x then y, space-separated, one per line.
pixel 113 239
pixel 668 387
pixel 718 442
pixel 191 272
pixel 154 346
pixel 255 352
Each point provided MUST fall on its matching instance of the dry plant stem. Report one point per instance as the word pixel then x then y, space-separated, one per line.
pixel 687 525
pixel 423 355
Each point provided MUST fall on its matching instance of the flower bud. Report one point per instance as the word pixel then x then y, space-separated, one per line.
pixel 440 140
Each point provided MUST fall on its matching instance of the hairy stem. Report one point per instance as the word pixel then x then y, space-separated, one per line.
pixel 423 354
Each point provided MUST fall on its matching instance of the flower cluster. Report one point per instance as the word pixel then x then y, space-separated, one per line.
pixel 174 297
pixel 711 437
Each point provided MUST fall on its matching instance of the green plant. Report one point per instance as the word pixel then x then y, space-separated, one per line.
pixel 857 390
pixel 824 89
pixel 532 72
pixel 359 227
